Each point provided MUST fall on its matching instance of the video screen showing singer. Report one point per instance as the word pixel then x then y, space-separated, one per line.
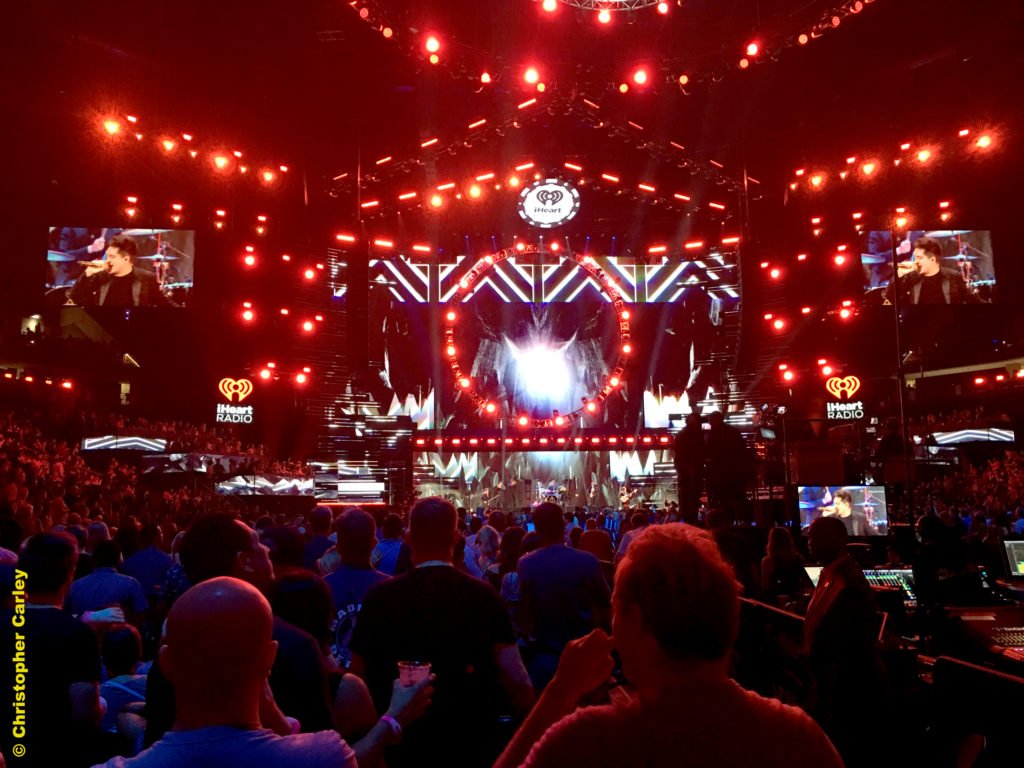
pixel 923 280
pixel 115 280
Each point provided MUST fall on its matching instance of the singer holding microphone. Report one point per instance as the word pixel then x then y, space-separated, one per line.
pixel 924 281
pixel 113 281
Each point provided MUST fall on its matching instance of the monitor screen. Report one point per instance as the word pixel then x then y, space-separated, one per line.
pixel 960 259
pixel 862 508
pixel 114 267
pixel 1014 557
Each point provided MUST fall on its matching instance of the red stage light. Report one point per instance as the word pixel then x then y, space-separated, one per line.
pixel 464 383
pixel 559 421
pixel 248 315
pixel 768 315
pixel 66 384
pixel 307 326
pixel 626 349
pixel 980 380
pixel 300 378
pixel 550 5
pixel 640 77
pixel 613 381
pixel 803 39
pixel 923 155
pixel 684 79
pixel 268 177
pixel 868 168
pixel 840 260
pixel 436 201
pixel 449 350
pixel 826 370
pixel 662 8
pixel 591 406
pixel 744 63
pixel 450 316
pixel 309 274
pixel 554 246
pixel 475 191
pixel 776 273
pixel 434 58
pixel 531 75
pixel 624 314
pixel 485 78
pixel 788 375
pixel 816 181
pixel 983 142
pixel 221 161
pixel 387 32
pixel 523 421
pixel 623 88
pixel 779 324
pixel 433 45
pixel 845 313
pixel 805 310
pixel 250 260
pixel 490 407
pixel 520 247
pixel 801 257
pixel 604 16
pixel 752 49
pixel 265 373
pixel 111 126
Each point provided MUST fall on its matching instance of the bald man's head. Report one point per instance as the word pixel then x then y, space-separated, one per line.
pixel 218 640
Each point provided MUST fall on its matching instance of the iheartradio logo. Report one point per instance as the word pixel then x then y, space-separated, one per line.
pixel 240 387
pixel 843 387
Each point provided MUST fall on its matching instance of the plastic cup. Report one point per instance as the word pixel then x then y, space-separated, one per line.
pixel 413 672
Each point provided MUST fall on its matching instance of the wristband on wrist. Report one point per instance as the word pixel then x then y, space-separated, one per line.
pixel 394 725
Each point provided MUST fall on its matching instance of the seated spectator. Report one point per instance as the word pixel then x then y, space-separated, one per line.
pixel 674 641
pixel 385 555
pixel 782 568
pixel 352 579
pixel 434 613
pixel 150 564
pixel 61 658
pixel 218 653
pixel 121 649
pixel 105 586
pixel 320 525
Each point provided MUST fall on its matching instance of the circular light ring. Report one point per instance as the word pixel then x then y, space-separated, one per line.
pixel 564 185
pixel 465 289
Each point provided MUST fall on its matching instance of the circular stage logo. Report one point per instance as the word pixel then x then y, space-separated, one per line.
pixel 548 203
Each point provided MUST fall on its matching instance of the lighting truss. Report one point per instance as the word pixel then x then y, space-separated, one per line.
pixel 609 5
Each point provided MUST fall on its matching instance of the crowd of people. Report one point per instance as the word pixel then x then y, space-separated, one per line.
pixel 166 626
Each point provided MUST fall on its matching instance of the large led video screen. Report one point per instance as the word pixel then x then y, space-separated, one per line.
pixel 557 342
pixel 861 508
pixel 115 267
pixel 572 478
pixel 949 266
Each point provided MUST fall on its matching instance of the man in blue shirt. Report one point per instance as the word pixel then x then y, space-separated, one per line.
pixel 320 524
pixel 563 594
pixel 150 564
pixel 105 586
pixel 352 579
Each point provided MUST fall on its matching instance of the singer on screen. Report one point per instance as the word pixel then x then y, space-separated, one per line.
pixel 924 280
pixel 114 281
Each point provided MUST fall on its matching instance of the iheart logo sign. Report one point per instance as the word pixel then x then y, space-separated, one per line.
pixel 240 387
pixel 844 387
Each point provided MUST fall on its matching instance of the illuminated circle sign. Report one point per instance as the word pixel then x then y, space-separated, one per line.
pixel 488 405
pixel 548 203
